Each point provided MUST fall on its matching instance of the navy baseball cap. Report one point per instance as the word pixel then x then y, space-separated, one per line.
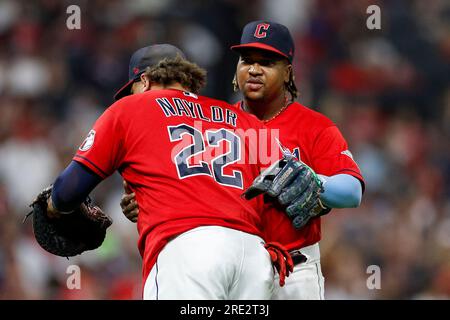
pixel 267 35
pixel 143 58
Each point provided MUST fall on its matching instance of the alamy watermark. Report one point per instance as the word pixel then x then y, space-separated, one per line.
pixel 195 145
pixel 73 21
pixel 374 280
pixel 374 20
pixel 73 281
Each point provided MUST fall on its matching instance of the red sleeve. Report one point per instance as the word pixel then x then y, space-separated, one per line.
pixel 102 151
pixel 331 155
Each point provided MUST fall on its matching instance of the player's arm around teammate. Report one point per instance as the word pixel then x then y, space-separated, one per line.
pixel 217 249
pixel 191 249
pixel 264 75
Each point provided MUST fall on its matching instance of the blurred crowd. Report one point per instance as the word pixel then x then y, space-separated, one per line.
pixel 388 90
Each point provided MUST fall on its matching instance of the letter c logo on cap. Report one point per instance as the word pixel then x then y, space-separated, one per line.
pixel 261 30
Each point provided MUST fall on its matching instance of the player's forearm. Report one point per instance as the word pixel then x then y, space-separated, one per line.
pixel 341 191
pixel 72 187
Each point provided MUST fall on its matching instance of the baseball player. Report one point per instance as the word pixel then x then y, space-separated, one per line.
pixel 264 75
pixel 199 239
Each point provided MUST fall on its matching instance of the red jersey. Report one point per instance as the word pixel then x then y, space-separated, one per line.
pixel 316 141
pixel 184 157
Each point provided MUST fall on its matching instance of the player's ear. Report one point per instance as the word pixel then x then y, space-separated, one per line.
pixel 287 73
pixel 145 82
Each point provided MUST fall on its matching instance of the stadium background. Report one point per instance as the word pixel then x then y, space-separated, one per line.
pixel 388 91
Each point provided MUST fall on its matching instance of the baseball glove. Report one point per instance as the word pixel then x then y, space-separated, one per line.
pixel 68 234
pixel 295 186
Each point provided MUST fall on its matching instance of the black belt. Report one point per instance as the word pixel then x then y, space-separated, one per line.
pixel 298 257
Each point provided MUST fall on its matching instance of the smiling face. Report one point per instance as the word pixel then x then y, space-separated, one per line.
pixel 261 75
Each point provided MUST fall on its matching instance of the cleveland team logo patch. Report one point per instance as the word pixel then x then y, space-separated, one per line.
pixel 261 30
pixel 88 142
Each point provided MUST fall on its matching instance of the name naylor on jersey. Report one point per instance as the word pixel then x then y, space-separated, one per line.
pixel 182 107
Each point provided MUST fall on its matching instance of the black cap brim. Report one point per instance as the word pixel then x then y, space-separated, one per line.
pixel 124 91
pixel 146 57
pixel 260 46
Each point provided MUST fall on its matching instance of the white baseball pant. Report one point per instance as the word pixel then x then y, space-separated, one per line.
pixel 212 262
pixel 306 282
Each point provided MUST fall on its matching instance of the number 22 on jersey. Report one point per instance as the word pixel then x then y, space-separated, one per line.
pixel 212 166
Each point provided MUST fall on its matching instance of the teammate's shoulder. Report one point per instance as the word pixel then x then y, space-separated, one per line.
pixel 126 101
pixel 312 116
pixel 233 107
pixel 237 105
pixel 138 100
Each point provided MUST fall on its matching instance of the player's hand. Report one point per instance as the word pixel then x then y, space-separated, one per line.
pixel 51 211
pixel 128 203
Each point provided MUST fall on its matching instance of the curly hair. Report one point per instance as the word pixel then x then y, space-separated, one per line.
pixel 291 87
pixel 169 71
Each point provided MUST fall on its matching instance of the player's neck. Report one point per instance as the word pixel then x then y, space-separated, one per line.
pixel 176 86
pixel 264 110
